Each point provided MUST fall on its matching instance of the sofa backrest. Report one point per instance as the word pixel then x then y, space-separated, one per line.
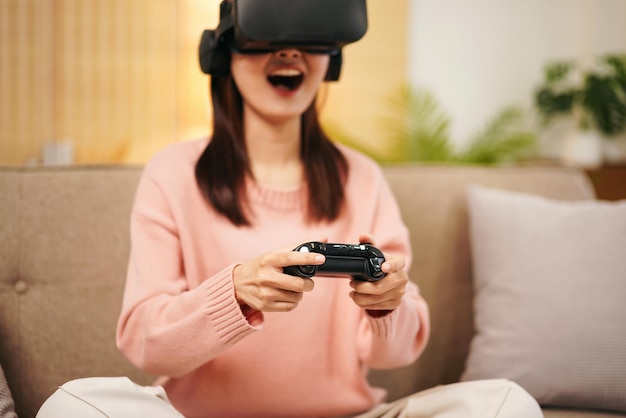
pixel 63 256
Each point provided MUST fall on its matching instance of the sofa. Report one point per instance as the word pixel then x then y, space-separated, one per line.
pixel 64 242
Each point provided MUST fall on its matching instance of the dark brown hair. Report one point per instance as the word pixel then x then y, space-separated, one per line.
pixel 222 168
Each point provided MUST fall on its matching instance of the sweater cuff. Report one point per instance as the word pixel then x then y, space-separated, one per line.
pixel 382 326
pixel 223 310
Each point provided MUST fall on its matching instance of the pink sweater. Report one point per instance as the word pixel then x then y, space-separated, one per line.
pixel 180 318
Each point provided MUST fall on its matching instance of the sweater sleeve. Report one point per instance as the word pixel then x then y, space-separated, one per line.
pixel 396 339
pixel 166 328
pixel 7 406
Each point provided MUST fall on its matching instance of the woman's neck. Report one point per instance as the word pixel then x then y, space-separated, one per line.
pixel 274 151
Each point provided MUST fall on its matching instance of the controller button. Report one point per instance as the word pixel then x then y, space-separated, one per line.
pixel 308 270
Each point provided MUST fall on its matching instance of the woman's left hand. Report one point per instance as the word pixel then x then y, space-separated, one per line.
pixel 385 295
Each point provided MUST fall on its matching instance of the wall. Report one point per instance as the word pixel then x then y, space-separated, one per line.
pixel 101 74
pixel 120 78
pixel 482 55
pixel 374 68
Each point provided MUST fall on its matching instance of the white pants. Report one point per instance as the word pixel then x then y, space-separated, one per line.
pixel 496 398
pixel 118 397
pixel 114 397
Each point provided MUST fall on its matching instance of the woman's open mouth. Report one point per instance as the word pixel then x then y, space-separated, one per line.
pixel 286 78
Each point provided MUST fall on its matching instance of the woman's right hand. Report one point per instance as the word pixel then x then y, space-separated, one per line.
pixel 261 284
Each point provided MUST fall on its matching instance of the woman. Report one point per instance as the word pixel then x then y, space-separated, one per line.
pixel 207 304
pixel 214 224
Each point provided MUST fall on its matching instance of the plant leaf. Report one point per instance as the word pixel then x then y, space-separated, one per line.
pixel 504 139
pixel 602 101
pixel 418 127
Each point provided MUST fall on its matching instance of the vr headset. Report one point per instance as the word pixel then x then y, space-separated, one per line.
pixel 261 26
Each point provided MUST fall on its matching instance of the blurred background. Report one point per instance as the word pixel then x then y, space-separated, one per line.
pixel 101 82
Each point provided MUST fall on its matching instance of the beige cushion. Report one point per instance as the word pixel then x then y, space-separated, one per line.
pixel 550 296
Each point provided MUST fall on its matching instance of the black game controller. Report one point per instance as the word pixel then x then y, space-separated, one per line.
pixel 361 261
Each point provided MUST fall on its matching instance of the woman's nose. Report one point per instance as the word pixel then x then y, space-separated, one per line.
pixel 290 53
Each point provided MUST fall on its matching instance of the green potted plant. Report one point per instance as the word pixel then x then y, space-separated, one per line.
pixel 595 98
pixel 417 131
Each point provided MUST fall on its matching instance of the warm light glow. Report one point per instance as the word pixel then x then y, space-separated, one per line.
pixel 121 79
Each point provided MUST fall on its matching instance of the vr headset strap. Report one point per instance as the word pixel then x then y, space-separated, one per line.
pixel 334 66
pixel 214 52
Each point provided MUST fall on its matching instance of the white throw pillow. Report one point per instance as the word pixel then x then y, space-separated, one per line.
pixel 550 297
